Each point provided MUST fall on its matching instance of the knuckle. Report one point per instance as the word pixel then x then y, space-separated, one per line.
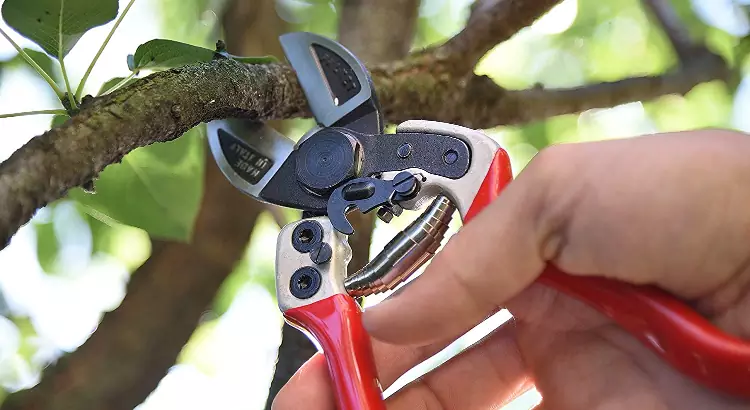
pixel 554 194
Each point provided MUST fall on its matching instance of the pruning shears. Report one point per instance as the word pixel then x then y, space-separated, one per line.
pixel 346 162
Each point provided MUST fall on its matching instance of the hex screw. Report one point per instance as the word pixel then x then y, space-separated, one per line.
pixel 305 282
pixel 306 236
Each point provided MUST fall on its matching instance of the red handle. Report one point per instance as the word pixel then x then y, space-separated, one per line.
pixel 686 340
pixel 336 324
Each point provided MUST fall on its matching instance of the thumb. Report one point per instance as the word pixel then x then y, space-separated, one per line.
pixel 491 259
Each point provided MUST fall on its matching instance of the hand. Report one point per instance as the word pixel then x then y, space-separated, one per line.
pixel 672 210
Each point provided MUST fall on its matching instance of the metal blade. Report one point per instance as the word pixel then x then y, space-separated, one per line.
pixel 249 153
pixel 337 85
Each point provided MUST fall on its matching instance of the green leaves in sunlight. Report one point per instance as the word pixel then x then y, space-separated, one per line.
pixel 40 21
pixel 163 54
pixel 157 188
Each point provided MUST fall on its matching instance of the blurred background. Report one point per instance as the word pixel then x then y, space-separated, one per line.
pixel 214 327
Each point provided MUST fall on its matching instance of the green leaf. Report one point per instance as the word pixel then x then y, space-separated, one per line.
pixel 164 54
pixel 39 20
pixel 157 188
pixel 160 54
pixel 113 82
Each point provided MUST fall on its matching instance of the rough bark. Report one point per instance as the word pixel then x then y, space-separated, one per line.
pixel 136 344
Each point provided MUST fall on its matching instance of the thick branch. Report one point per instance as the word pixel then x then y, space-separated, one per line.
pixel 158 108
pixel 481 103
pixel 136 344
pixel 164 105
pixel 378 31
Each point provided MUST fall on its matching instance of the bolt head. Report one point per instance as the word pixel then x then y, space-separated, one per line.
pixel 404 151
pixel 321 254
pixel 385 215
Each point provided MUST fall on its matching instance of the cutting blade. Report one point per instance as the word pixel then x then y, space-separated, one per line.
pixel 337 85
pixel 249 153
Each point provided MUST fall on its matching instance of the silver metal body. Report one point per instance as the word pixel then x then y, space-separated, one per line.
pixel 262 138
pixel 460 191
pixel 405 253
pixel 289 260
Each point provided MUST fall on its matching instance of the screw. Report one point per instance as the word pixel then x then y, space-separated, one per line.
pixel 305 282
pixel 306 236
pixel 404 183
pixel 404 151
pixel 321 253
pixel 450 157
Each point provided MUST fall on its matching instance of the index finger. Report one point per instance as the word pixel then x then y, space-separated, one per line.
pixel 490 260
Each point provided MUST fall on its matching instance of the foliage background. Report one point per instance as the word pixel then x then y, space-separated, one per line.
pixel 72 263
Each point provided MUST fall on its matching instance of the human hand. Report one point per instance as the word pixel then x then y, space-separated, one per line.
pixel 669 210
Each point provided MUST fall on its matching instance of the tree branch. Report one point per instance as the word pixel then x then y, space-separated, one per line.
pixel 674 28
pixel 164 105
pixel 362 23
pixel 481 103
pixel 490 23
pixel 136 344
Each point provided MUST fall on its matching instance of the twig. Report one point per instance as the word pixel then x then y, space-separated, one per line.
pixel 79 91
pixel 22 114
pixel 674 28
pixel 118 85
pixel 61 59
pixel 33 64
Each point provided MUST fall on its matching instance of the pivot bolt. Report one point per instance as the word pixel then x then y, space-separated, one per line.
pixel 405 184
